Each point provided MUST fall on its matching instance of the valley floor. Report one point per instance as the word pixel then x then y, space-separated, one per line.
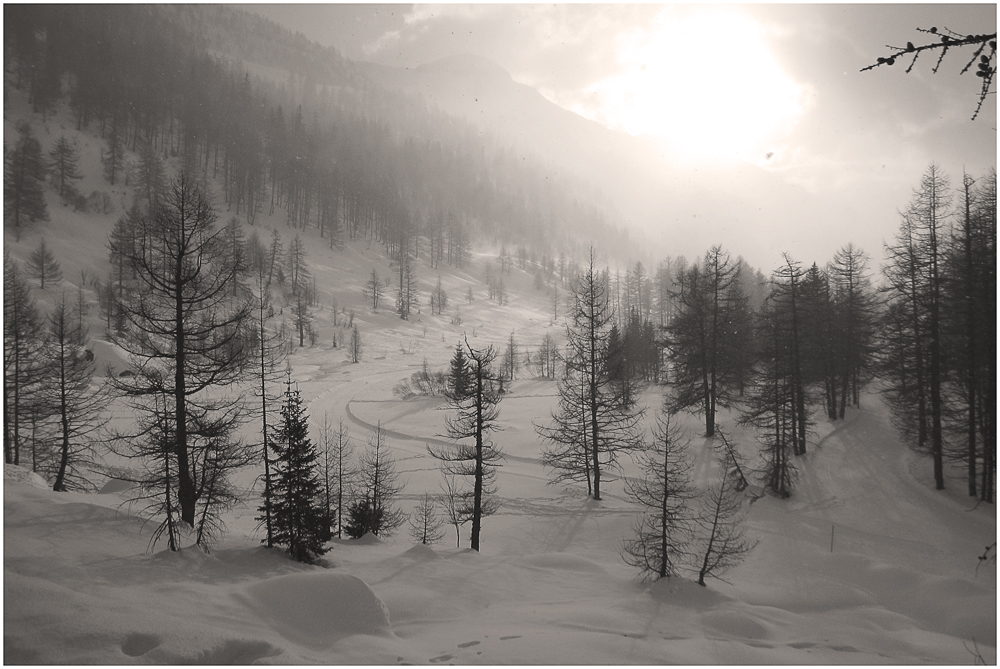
pixel 900 585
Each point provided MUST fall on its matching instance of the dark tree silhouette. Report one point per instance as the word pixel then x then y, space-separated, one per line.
pixel 298 519
pixel 702 346
pixel 21 358
pixel 42 265
pixel 75 406
pixel 378 481
pixel 64 170
pixel 184 332
pixel 265 361
pixel 477 413
pixel 593 421
pixel 459 376
pixel 663 532
pixel 915 271
pixel 722 521
pixel 338 471
pixel 425 526
pixel 24 181
pixel 984 48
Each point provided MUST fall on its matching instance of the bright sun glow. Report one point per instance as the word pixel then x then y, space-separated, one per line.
pixel 704 80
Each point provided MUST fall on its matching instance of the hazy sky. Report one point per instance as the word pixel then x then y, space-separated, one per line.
pixel 774 85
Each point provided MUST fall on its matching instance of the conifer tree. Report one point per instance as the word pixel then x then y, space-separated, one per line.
pixel 66 390
pixel 354 346
pixel 476 419
pixel 42 265
pixel 703 349
pixel 663 532
pixel 855 311
pixel 298 518
pixel 64 170
pixel 185 337
pixel 374 289
pixel 459 381
pixel 406 294
pixel 722 521
pixel 425 526
pixel 150 180
pixel 591 413
pixel 265 362
pixel 916 278
pixel 21 357
pixel 114 157
pixel 509 362
pixel 770 405
pixel 24 181
pixel 338 472
pixel 378 481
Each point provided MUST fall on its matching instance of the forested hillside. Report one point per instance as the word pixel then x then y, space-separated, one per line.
pixel 282 124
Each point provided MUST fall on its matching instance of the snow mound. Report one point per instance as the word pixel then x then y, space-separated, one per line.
pixel 317 609
pixel 113 485
pixel 686 593
pixel 736 624
pixel 108 356
pixel 562 562
pixel 421 552
pixel 368 539
pixel 23 475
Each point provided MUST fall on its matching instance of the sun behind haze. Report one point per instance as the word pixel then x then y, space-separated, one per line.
pixel 702 78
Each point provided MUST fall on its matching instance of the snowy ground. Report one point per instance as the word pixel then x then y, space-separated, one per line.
pixel 82 585
pixel 899 586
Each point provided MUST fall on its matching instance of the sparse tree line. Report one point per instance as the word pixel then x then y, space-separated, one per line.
pixel 192 307
pixel 809 340
pixel 599 421
pixel 190 303
pixel 52 410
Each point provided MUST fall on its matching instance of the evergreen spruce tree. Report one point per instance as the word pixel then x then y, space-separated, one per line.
pixel 459 382
pixel 297 514
pixel 42 265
